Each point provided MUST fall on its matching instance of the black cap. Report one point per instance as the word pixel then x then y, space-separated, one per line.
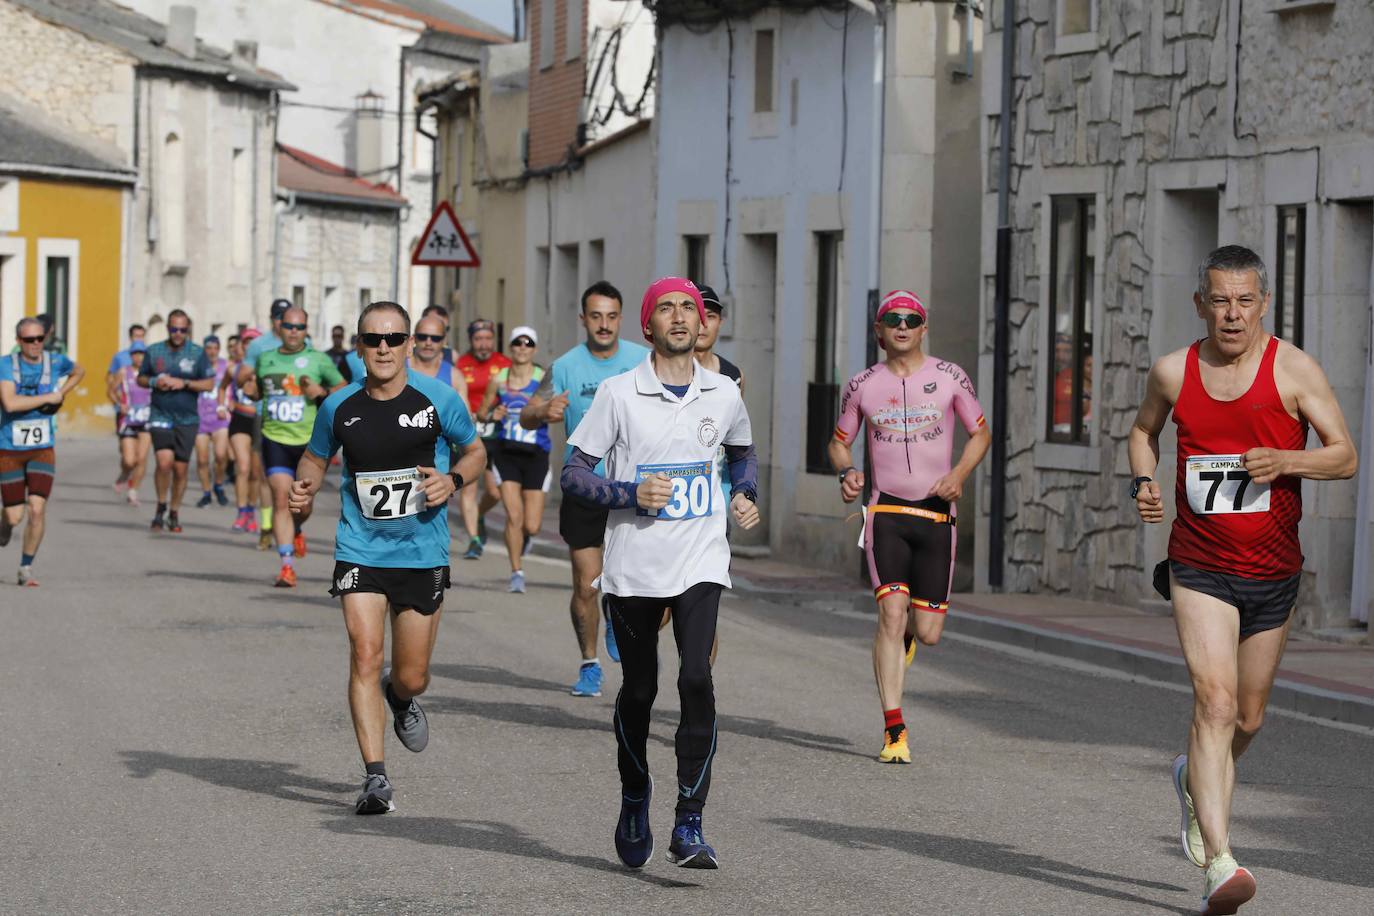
pixel 710 299
pixel 279 307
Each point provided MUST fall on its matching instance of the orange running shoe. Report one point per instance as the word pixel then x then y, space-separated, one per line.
pixel 895 750
pixel 287 577
pixel 298 545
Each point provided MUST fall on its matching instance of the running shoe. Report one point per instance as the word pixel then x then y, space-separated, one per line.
pixel 132 498
pixel 219 495
pixel 409 721
pixel 688 848
pixel 612 649
pixel 205 500
pixel 298 543
pixel 26 579
pixel 240 523
pixel 251 525
pixel 286 578
pixel 634 841
pixel 158 523
pixel 525 547
pixel 375 797
pixel 265 539
pixel 474 550
pixel 588 681
pixel 173 523
pixel 517 582
pixel 1189 833
pixel 482 530
pixel 1228 886
pixel 910 642
pixel 120 486
pixel 895 749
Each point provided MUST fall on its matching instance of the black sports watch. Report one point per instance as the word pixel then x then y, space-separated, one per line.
pixel 457 480
pixel 845 472
pixel 1137 483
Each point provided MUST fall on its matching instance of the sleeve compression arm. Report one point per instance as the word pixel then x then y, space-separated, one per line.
pixel 743 464
pixel 579 478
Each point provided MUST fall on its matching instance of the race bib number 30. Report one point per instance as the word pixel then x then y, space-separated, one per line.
pixel 692 491
pixel 1220 485
pixel 389 494
pixel 31 433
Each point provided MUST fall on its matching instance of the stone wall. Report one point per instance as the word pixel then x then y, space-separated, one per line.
pixel 84 84
pixel 343 247
pixel 1147 108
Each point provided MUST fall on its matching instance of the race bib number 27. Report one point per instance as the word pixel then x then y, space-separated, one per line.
pixel 692 490
pixel 389 494
pixel 1220 485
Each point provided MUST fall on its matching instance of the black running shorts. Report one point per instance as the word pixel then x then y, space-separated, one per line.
pixel 1264 604
pixel 582 523
pixel 527 465
pixel 240 424
pixel 419 590
pixel 179 440
pixel 909 551
pixel 280 459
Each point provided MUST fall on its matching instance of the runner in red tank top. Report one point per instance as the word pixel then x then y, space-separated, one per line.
pixel 1242 401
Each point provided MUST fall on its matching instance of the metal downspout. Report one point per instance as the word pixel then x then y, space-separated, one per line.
pixel 1001 346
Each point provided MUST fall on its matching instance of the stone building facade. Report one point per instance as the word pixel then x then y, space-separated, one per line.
pixel 1146 133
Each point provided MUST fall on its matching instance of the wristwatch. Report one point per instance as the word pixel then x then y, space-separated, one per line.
pixel 1136 484
pixel 845 472
pixel 457 480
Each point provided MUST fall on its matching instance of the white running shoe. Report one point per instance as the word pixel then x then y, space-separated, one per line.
pixel 1228 886
pixel 1189 833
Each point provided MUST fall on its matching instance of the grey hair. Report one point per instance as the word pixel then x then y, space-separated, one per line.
pixel 27 319
pixel 384 306
pixel 1232 258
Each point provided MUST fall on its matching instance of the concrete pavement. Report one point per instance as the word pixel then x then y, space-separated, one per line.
pixel 177 741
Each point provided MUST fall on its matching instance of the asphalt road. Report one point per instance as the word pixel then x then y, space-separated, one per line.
pixel 177 741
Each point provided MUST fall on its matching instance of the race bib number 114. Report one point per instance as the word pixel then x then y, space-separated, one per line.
pixel 1220 485
pixel 692 490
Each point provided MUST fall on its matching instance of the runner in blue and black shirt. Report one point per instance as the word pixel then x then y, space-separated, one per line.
pixel 397 430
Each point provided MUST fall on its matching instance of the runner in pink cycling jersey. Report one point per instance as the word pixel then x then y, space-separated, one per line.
pixel 909 402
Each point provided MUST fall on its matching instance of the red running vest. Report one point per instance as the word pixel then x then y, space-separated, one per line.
pixel 1226 523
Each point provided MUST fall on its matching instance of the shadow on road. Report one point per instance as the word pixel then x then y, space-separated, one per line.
pixel 485 836
pixel 991 857
pixel 498 677
pixel 262 777
pixel 135 526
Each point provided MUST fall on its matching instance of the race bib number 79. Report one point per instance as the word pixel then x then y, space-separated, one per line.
pixel 1220 485
pixel 389 494
pixel 31 433
pixel 692 490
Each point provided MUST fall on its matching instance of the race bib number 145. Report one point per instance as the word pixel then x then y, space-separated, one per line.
pixel 692 490
pixel 1220 485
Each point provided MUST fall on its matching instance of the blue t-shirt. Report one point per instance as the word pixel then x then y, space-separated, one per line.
pixel 261 344
pixel 175 408
pixel 384 522
pixel 357 370
pixel 580 373
pixel 120 360
pixel 30 429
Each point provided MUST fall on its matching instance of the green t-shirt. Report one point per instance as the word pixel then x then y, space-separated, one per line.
pixel 288 416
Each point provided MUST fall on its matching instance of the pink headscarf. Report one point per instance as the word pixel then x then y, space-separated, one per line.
pixel 668 285
pixel 901 299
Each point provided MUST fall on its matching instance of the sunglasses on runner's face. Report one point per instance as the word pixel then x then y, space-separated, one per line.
pixel 394 339
pixel 522 342
pixel 38 339
pixel 288 326
pixel 895 320
pixel 430 338
pixel 174 329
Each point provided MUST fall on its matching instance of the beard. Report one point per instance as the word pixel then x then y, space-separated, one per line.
pixel 676 348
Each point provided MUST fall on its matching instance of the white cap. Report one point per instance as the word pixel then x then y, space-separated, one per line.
pixel 523 331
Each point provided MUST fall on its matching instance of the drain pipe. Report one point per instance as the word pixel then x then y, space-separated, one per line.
pixel 1364 510
pixel 1001 335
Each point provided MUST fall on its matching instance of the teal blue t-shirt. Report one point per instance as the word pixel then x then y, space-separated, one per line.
pixel 580 373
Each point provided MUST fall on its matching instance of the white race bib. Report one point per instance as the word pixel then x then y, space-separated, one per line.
pixel 389 494
pixel 31 433
pixel 692 490
pixel 289 408
pixel 138 416
pixel 512 431
pixel 1220 485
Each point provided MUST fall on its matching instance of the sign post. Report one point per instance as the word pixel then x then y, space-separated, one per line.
pixel 444 243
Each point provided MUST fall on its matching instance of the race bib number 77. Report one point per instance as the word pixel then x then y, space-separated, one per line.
pixel 1220 485
pixel 692 490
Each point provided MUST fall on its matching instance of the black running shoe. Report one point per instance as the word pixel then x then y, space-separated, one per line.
pixel 409 721
pixel 173 523
pixel 158 524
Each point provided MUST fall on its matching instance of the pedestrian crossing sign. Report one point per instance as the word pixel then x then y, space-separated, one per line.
pixel 444 243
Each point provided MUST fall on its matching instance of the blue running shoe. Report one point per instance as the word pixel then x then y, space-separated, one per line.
pixel 634 841
pixel 688 848
pixel 474 550
pixel 611 648
pixel 588 681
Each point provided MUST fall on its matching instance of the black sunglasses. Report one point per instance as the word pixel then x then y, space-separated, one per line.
pixel 288 326
pixel 522 342
pixel 178 330
pixel 38 339
pixel 430 338
pixel 394 339
pixel 895 320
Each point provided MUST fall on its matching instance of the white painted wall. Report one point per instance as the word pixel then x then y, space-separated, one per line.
pixel 633 56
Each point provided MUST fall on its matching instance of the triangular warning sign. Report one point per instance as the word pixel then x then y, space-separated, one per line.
pixel 444 243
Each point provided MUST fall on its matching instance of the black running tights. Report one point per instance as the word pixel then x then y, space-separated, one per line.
pixel 636 623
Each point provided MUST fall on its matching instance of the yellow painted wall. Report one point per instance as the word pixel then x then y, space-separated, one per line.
pixel 92 214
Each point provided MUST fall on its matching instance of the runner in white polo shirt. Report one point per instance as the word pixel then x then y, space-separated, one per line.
pixel 658 427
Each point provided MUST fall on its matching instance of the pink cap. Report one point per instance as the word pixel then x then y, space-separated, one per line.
pixel 668 285
pixel 901 299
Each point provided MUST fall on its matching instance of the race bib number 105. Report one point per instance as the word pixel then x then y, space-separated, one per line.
pixel 1220 485
pixel 692 490
pixel 389 494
